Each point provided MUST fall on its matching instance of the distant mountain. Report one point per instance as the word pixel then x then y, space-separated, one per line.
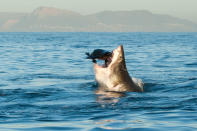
pixel 7 20
pixel 53 19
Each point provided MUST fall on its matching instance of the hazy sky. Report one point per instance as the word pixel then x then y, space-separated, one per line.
pixel 181 8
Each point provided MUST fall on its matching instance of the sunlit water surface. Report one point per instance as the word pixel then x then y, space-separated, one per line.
pixel 47 84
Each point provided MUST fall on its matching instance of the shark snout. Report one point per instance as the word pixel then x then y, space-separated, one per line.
pixel 120 48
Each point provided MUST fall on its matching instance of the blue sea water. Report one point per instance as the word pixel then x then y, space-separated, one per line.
pixel 47 84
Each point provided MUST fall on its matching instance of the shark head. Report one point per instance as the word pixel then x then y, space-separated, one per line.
pixel 114 70
pixel 117 59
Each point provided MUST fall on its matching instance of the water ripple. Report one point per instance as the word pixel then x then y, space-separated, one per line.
pixel 47 84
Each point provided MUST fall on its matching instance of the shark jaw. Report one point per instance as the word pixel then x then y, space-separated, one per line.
pixel 116 57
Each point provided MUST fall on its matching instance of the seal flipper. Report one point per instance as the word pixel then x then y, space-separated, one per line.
pixel 93 60
pixel 90 57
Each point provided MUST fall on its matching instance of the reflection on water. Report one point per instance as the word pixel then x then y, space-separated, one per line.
pixel 108 97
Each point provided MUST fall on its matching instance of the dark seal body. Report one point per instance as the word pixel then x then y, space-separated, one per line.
pixel 98 54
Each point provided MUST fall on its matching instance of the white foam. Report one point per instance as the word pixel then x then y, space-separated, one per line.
pixel 138 82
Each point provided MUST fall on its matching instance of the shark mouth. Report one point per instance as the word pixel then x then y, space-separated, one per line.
pixel 107 61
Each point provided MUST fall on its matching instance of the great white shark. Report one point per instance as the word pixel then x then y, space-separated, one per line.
pixel 113 75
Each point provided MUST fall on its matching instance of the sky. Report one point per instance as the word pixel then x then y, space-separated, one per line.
pixel 181 8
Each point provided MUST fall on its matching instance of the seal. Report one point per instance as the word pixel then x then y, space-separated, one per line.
pixel 98 54
pixel 113 75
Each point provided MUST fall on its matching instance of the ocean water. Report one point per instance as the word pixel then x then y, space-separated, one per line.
pixel 47 84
